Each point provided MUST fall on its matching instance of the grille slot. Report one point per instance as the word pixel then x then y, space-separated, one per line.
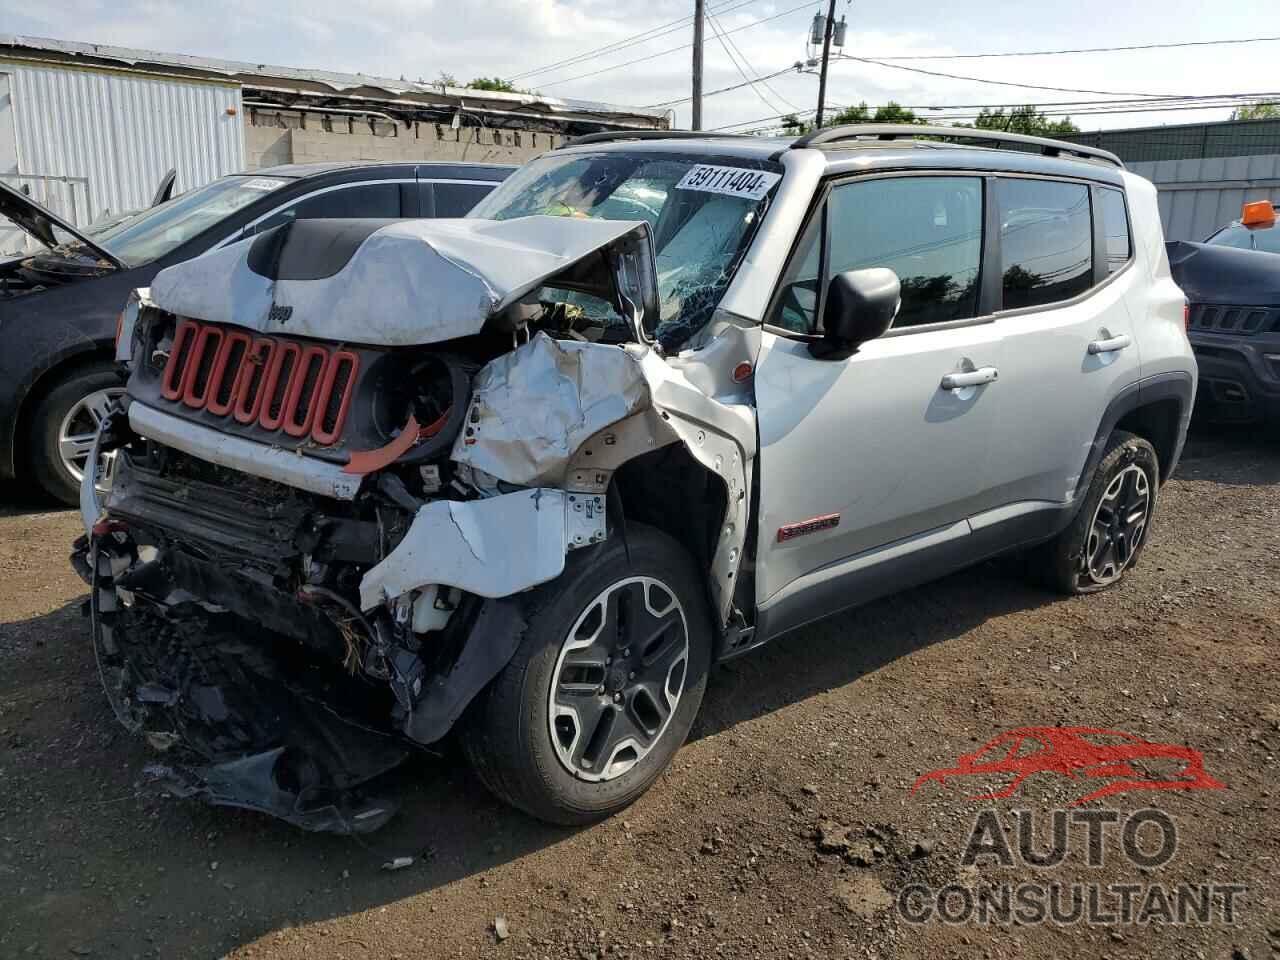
pixel 336 389
pixel 1235 321
pixel 175 370
pixel 250 379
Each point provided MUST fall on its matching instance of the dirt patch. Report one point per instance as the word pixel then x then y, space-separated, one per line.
pixel 785 828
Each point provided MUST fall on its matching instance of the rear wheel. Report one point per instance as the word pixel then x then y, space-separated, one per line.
pixel 604 686
pixel 64 425
pixel 1109 532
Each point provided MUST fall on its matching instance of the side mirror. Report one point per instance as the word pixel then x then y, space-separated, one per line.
pixel 860 306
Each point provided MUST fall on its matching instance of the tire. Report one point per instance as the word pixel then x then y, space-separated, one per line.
pixel 526 755
pixel 1065 563
pixel 50 469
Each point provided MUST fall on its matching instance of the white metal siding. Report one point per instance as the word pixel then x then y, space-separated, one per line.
pixel 122 131
pixel 1199 195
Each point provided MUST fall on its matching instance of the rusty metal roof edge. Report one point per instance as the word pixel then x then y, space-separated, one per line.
pixel 18 46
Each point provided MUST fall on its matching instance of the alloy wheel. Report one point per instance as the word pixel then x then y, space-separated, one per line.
pixel 1119 524
pixel 79 429
pixel 618 678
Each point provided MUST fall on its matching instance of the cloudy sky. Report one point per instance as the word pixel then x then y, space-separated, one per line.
pixel 511 38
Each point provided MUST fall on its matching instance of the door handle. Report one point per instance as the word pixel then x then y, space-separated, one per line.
pixel 970 378
pixel 1111 344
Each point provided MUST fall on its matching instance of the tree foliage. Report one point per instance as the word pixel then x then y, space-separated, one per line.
pixel 1026 120
pixel 889 113
pixel 1270 110
pixel 496 84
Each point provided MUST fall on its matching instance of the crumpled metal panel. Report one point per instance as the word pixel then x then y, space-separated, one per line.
pixel 492 547
pixel 532 408
pixel 410 282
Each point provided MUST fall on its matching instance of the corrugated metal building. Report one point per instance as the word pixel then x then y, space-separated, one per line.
pixel 1197 196
pixel 1204 171
pixel 89 142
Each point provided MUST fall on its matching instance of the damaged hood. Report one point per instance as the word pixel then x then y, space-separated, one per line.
pixel 46 227
pixel 379 282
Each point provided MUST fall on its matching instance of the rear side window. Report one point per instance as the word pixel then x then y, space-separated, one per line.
pixel 1115 228
pixel 1046 241
pixel 457 199
pixel 368 201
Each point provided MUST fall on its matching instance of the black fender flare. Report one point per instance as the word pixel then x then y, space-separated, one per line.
pixel 1177 385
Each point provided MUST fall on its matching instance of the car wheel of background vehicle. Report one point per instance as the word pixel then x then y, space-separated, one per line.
pixel 1111 527
pixel 64 425
pixel 604 686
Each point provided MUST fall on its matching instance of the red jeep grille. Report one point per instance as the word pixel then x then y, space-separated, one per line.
pixel 303 389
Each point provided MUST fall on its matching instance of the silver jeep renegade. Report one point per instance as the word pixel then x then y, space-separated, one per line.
pixel 525 476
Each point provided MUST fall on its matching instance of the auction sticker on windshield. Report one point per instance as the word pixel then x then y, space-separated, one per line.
pixel 734 181
pixel 263 183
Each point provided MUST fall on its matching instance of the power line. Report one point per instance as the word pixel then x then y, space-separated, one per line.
pixel 1006 83
pixel 670 50
pixel 747 64
pixel 712 93
pixel 1056 53
pixel 644 36
pixel 1217 103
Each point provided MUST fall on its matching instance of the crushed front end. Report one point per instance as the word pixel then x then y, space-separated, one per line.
pixel 310 553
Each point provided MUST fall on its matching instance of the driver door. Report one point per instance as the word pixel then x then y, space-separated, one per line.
pixel 869 467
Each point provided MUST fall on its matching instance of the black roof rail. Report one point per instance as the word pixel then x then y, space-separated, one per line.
pixel 609 135
pixel 894 131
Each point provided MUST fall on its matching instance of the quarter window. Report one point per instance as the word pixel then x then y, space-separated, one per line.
pixel 1115 228
pixel 1046 241
pixel 927 230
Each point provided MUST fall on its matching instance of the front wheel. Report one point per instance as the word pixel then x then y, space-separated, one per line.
pixel 63 428
pixel 605 684
pixel 1109 532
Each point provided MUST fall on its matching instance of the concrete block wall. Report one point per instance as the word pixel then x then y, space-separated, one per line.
pixel 266 146
pixel 291 138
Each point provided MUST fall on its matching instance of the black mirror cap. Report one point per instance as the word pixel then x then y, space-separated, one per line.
pixel 860 306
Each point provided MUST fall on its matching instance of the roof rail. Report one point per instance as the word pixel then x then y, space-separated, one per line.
pixel 609 135
pixel 894 131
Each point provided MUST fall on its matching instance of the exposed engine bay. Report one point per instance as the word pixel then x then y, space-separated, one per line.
pixel 312 551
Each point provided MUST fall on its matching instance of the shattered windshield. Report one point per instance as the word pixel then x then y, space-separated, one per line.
pixel 701 216
pixel 154 232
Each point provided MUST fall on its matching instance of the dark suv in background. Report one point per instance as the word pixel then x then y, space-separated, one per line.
pixel 1232 284
pixel 61 297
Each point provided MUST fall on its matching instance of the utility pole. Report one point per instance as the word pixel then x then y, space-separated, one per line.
pixel 698 11
pixel 826 56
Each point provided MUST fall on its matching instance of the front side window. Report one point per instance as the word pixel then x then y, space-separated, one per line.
pixel 1046 241
pixel 1115 228
pixel 927 230
pixel 702 217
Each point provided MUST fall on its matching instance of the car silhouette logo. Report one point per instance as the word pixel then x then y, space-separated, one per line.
pixel 1079 753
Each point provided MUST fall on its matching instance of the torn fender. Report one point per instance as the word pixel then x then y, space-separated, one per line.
pixel 399 283
pixel 492 547
pixel 531 409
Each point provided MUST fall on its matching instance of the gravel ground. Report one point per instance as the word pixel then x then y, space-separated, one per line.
pixel 785 828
